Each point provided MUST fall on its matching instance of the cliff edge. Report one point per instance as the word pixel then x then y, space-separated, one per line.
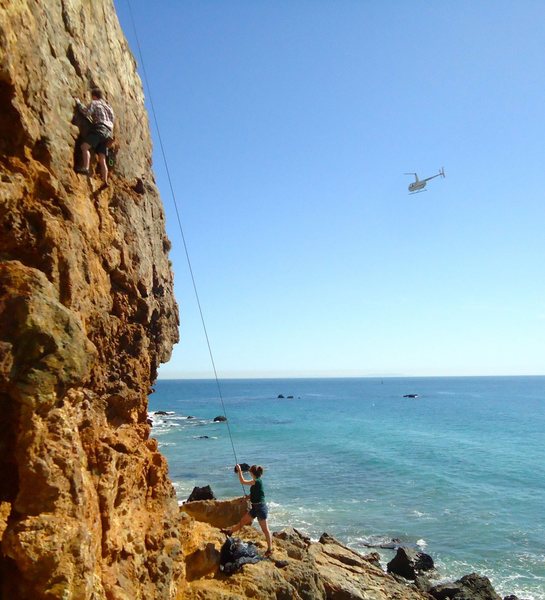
pixel 87 313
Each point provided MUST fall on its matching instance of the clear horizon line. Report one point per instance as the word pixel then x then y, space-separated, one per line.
pixel 210 376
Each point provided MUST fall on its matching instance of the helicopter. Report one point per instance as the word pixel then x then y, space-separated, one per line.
pixel 418 185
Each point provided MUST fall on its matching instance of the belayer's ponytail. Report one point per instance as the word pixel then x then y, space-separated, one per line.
pixel 256 470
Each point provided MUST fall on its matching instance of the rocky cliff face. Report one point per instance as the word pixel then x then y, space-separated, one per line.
pixel 86 315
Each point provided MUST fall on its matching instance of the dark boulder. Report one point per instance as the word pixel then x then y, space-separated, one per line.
pixel 290 397
pixel 161 412
pixel 201 493
pixel 410 396
pixel 220 419
pixel 409 563
pixel 469 587
pixel 280 396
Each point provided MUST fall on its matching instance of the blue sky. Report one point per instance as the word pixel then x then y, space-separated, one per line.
pixel 288 126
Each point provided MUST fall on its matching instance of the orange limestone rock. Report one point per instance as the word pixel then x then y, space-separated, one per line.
pixel 87 313
pixel 298 570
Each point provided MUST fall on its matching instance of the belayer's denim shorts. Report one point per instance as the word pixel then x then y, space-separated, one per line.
pixel 259 511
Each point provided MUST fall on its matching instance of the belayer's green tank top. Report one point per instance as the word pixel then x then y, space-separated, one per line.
pixel 257 495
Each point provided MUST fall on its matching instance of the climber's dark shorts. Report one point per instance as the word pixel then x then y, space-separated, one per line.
pixel 98 141
pixel 259 510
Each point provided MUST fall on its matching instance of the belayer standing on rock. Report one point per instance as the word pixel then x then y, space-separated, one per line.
pixel 259 507
pixel 101 116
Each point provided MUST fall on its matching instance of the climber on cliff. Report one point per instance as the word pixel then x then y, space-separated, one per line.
pixel 259 508
pixel 101 116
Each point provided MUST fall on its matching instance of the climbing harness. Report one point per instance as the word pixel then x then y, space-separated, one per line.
pixel 178 218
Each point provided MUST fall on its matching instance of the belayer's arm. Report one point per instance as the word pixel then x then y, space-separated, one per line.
pixel 245 481
pixel 241 478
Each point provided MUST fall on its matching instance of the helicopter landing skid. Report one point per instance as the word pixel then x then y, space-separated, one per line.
pixel 419 192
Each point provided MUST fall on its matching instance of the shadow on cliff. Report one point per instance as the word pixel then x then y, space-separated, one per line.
pixel 12 139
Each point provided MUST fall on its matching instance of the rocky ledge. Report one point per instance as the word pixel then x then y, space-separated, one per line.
pixel 300 569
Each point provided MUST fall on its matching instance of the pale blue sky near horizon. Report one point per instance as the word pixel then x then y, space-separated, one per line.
pixel 288 127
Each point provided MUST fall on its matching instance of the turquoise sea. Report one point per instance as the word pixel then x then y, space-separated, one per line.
pixel 458 471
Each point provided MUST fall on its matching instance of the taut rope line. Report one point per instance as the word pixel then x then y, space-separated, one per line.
pixel 182 231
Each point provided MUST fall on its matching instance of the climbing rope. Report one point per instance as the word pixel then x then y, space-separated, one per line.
pixel 178 218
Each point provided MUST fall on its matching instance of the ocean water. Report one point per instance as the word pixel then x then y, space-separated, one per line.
pixel 458 471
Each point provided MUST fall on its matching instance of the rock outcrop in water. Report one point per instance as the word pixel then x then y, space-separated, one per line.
pixel 86 315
